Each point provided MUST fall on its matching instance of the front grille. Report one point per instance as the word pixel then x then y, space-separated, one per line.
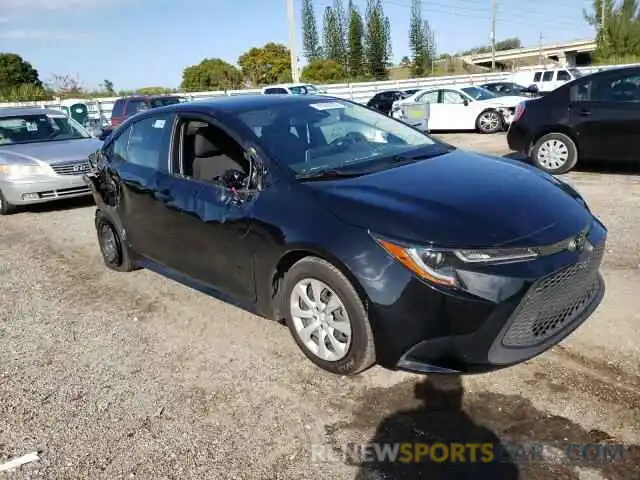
pixel 554 302
pixel 71 168
pixel 64 192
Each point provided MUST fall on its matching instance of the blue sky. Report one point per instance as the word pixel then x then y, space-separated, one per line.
pixel 137 43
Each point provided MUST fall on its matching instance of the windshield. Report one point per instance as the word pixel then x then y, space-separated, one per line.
pixel 478 93
pixel 316 136
pixel 39 128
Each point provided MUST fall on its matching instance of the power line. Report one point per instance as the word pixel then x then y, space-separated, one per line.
pixel 526 17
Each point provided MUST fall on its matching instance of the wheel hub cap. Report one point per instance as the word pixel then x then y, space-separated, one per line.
pixel 320 320
pixel 553 154
pixel 489 121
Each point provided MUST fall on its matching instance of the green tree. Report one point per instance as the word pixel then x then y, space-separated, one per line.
pixel 619 35
pixel 341 17
pixel 506 44
pixel 377 46
pixel 355 47
pixel 430 50
pixel 211 74
pixel 416 39
pixel 333 48
pixel 15 72
pixel 310 40
pixel 405 61
pixel 154 90
pixel 266 65
pixel 108 87
pixel 323 71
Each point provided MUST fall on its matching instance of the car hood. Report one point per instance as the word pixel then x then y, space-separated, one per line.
pixel 506 101
pixel 460 199
pixel 50 152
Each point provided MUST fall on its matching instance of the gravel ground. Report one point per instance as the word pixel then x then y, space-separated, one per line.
pixel 113 375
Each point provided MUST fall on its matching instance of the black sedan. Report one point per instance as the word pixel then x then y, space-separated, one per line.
pixel 373 242
pixel 383 101
pixel 509 89
pixel 595 117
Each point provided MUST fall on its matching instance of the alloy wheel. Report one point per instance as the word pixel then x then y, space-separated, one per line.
pixel 553 154
pixel 320 319
pixel 489 121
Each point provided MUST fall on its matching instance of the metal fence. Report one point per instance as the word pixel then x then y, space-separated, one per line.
pixel 100 108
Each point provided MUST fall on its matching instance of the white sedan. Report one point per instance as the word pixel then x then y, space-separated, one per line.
pixel 465 108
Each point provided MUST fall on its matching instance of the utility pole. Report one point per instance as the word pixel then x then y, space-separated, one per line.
pixel 540 48
pixel 493 33
pixel 603 13
pixel 292 41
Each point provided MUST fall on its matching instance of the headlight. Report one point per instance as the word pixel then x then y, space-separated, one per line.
pixel 440 266
pixel 501 255
pixel 21 171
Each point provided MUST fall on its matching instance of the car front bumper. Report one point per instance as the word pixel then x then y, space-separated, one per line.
pixel 430 330
pixel 45 189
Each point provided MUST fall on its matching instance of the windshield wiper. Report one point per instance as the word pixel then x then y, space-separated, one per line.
pixel 327 175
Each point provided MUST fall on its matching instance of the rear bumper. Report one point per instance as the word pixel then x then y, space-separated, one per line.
pixel 28 192
pixel 519 138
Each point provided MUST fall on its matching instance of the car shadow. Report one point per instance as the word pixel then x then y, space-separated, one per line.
pixel 438 418
pixel 593 166
pixel 57 205
pixel 526 442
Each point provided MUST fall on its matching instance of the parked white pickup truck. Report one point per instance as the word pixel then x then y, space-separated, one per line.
pixel 546 79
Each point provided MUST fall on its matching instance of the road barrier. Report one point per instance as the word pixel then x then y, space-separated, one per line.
pixel 100 108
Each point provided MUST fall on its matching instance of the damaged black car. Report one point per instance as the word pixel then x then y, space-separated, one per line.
pixel 373 242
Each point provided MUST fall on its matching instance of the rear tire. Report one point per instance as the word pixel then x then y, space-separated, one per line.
pixel 115 253
pixel 327 317
pixel 555 153
pixel 5 207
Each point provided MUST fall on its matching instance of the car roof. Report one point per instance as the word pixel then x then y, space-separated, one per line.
pixel 17 111
pixel 288 85
pixel 150 97
pixel 238 103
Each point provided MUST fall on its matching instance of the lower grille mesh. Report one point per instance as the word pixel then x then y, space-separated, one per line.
pixel 554 302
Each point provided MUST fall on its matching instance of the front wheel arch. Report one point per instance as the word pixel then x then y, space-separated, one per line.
pixel 293 256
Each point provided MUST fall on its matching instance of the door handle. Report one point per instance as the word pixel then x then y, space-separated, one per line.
pixel 584 112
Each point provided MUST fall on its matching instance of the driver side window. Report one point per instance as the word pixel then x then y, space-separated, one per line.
pixel 452 98
pixel 206 153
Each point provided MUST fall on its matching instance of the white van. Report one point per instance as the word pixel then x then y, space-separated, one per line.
pixel 546 79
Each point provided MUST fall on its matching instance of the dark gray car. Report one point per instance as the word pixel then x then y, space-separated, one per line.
pixel 43 156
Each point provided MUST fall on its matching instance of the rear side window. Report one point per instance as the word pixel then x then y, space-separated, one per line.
pixel 429 97
pixel 548 76
pixel 163 102
pixel 273 91
pixel 537 76
pixel 118 108
pixel 135 106
pixel 563 76
pixel 148 143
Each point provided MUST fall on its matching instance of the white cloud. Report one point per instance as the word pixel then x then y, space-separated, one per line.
pixel 39 35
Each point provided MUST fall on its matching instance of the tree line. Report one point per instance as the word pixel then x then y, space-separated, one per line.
pixel 618 32
pixel 350 44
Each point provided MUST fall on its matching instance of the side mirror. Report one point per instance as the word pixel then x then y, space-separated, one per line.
pixel 234 179
pixel 466 102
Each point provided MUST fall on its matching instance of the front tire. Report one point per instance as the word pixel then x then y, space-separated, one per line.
pixel 115 253
pixel 5 207
pixel 489 121
pixel 327 318
pixel 555 153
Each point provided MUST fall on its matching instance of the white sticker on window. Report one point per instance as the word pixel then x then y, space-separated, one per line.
pixel 159 123
pixel 32 127
pixel 327 105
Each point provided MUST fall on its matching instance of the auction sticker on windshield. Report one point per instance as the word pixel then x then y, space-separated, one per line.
pixel 326 105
